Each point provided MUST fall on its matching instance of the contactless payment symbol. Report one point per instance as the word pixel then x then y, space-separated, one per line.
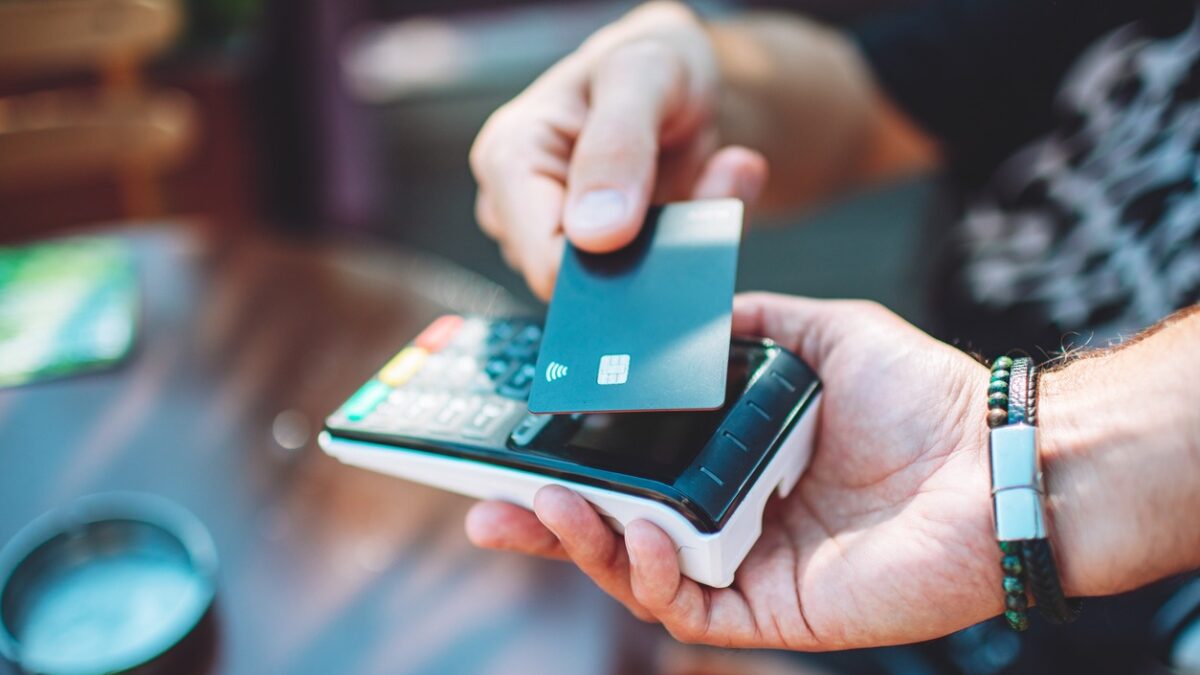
pixel 555 371
pixel 614 369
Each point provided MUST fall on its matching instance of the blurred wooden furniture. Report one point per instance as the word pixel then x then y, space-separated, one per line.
pixel 245 345
pixel 118 127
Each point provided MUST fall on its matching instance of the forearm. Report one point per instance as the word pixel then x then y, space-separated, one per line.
pixel 1120 437
pixel 801 94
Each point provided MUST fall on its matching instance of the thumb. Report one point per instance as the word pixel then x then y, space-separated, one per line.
pixel 810 328
pixel 632 91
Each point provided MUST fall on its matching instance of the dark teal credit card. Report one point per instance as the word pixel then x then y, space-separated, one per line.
pixel 645 328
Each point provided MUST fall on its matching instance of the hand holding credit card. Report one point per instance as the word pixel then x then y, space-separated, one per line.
pixel 645 328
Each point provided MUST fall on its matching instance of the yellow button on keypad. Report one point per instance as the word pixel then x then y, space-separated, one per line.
pixel 403 366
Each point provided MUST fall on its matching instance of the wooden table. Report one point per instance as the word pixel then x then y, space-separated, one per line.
pixel 245 345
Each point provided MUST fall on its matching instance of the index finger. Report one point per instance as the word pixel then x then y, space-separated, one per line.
pixel 520 162
pixel 529 205
pixel 507 527
pixel 691 612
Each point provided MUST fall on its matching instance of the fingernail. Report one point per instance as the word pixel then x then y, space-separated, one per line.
pixel 598 210
pixel 634 563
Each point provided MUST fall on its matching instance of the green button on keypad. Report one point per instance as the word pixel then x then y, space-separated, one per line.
pixel 364 401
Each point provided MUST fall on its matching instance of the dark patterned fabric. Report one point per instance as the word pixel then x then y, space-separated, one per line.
pixel 1094 229
pixel 981 75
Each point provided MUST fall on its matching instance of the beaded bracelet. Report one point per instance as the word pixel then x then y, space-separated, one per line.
pixel 1017 492
pixel 1011 560
pixel 998 393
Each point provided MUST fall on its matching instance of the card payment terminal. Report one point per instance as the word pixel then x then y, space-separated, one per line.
pixel 449 411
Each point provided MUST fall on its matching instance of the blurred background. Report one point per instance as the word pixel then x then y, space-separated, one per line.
pixel 280 196
pixel 343 118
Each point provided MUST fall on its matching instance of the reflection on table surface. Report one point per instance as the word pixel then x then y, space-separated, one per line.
pixel 245 344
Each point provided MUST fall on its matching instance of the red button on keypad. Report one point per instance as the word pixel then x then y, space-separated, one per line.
pixel 437 334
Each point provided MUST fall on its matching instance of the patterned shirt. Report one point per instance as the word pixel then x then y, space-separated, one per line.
pixel 1078 222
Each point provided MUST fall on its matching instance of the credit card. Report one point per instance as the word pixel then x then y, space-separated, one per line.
pixel 645 328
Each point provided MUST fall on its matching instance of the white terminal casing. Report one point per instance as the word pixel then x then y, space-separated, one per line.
pixel 710 558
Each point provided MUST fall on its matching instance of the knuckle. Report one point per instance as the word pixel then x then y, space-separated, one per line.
pixel 642 615
pixel 759 297
pixel 485 216
pixel 508 148
pixel 872 306
pixel 590 557
pixel 477 157
pixel 475 154
pixel 683 632
pixel 618 141
pixel 510 256
pixel 482 155
pixel 642 53
pixel 651 59
pixel 869 308
pixel 673 9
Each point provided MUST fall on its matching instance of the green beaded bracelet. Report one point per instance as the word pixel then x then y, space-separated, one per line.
pixel 998 393
pixel 1016 603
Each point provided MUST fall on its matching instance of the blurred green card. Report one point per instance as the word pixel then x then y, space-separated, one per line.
pixel 66 306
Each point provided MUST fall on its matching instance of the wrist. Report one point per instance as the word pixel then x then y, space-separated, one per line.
pixel 1119 473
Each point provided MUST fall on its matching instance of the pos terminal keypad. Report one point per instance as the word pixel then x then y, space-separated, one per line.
pixel 465 379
